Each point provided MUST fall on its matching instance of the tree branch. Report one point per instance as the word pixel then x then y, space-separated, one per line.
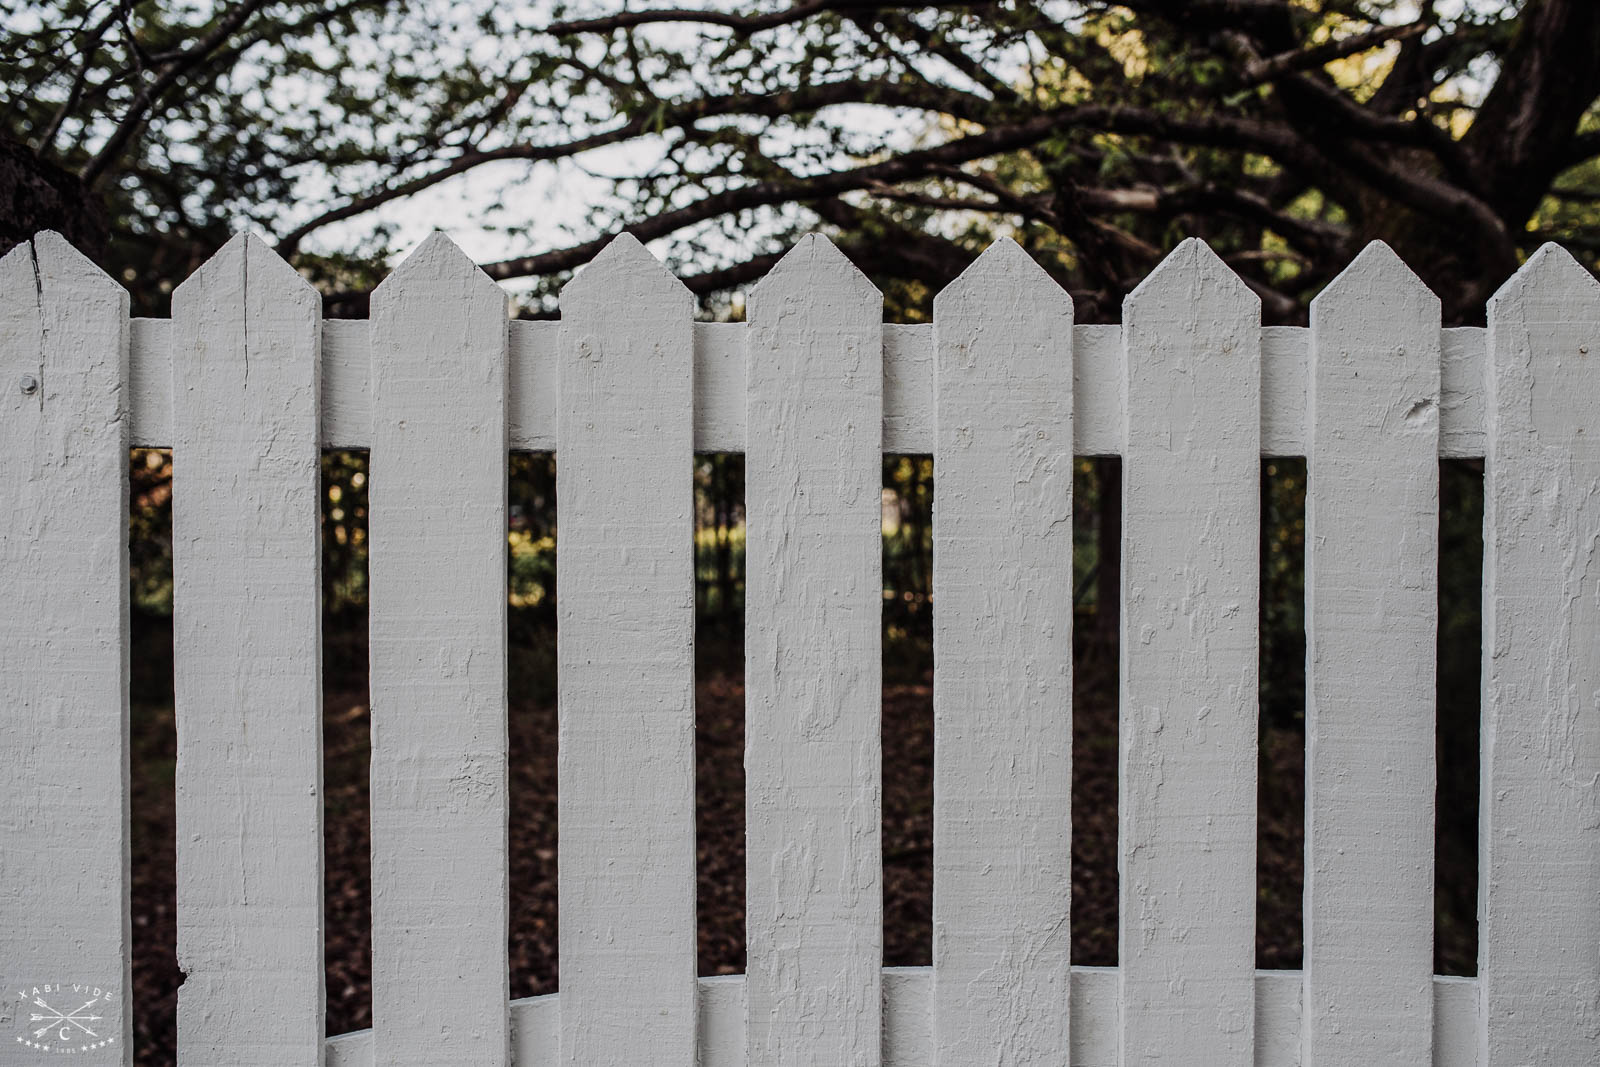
pixel 916 164
pixel 744 24
pixel 139 107
pixel 1272 68
pixel 679 117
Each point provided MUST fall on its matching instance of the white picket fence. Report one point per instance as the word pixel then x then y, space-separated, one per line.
pixel 245 384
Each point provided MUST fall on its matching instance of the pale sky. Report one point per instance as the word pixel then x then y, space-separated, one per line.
pixel 553 198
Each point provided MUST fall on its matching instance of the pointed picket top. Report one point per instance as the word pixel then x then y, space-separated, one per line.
pixel 1193 277
pixel 58 311
pixel 436 533
pixel 246 272
pixel 624 268
pixel 59 261
pixel 1004 272
pixel 437 261
pixel 1537 946
pixel 1555 294
pixel 815 262
pixel 1546 313
pixel 49 261
pixel 1553 279
pixel 1377 282
pixel 64 584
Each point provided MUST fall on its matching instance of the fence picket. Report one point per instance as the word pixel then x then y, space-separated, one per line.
pixel 1539 854
pixel 1187 787
pixel 813 672
pixel 246 384
pixel 64 636
pixel 1371 627
pixel 247 658
pixel 1002 580
pixel 437 519
pixel 626 674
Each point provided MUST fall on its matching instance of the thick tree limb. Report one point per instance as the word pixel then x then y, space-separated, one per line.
pixel 1521 137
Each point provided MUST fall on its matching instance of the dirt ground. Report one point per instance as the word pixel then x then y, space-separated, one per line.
pixel 907 843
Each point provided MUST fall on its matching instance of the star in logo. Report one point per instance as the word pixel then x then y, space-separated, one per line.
pixel 68 1022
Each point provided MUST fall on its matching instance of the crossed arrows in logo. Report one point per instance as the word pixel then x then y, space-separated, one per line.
pixel 57 1018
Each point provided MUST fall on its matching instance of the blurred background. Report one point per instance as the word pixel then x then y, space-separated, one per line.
pixel 1287 133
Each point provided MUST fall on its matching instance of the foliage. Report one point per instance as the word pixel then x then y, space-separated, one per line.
pixel 1286 132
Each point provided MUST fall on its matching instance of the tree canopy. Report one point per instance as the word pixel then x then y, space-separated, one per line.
pixel 1287 133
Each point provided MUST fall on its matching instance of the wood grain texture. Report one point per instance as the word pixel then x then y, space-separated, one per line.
pixel 625 604
pixel 1539 850
pixel 1002 684
pixel 63 643
pixel 437 621
pixel 246 383
pixel 1190 580
pixel 813 671
pixel 908 1022
pixel 247 660
pixel 1371 632
pixel 719 418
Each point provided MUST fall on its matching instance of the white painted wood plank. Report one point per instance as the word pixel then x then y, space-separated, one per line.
pixel 721 1018
pixel 625 635
pixel 1285 370
pixel 149 386
pixel 1539 851
pixel 908 1022
pixel 536 1031
pixel 1464 356
pixel 908 1016
pixel 1372 568
pixel 437 521
pixel 719 386
pixel 907 384
pixel 346 384
pixel 908 362
pixel 350 1050
pixel 1455 1022
pixel 1187 787
pixel 1002 684
pixel 247 660
pixel 1279 1004
pixel 1096 1030
pixel 813 671
pixel 1097 390
pixel 534 375
pixel 63 644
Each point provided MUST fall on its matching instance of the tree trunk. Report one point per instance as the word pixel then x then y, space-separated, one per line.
pixel 36 195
